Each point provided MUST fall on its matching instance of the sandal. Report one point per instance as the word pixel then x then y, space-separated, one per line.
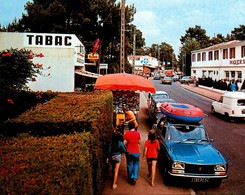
pixel 114 187
pixel 153 185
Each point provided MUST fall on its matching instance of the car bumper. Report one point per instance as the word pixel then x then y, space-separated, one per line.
pixel 199 176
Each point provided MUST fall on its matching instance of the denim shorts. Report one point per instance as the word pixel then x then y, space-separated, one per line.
pixel 116 158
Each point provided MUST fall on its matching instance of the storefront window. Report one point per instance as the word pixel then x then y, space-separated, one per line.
pixel 204 73
pixel 239 74
pixel 227 74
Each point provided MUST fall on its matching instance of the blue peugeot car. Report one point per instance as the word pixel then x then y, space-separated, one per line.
pixel 187 152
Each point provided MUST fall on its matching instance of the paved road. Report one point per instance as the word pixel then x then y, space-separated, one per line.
pixel 229 139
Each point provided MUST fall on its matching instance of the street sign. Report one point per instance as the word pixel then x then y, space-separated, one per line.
pixel 103 66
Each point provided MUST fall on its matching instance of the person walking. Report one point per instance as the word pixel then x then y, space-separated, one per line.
pixel 233 86
pixel 115 150
pixel 132 140
pixel 151 152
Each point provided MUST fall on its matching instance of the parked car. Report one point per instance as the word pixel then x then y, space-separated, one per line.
pixel 162 75
pixel 167 80
pixel 186 152
pixel 152 102
pixel 156 77
pixel 186 79
pixel 176 77
pixel 231 105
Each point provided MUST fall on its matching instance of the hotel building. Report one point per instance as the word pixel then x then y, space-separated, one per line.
pixel 222 61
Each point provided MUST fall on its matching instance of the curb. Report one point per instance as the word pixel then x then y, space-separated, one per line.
pixel 203 94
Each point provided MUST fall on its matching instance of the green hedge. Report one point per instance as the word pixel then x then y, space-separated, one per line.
pixel 13 103
pixel 65 113
pixel 48 165
pixel 53 159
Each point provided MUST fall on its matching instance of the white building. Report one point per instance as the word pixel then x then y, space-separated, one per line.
pixel 221 61
pixel 141 61
pixel 63 54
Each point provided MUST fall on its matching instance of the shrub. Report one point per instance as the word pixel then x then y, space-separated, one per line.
pixel 66 113
pixel 48 165
pixel 61 162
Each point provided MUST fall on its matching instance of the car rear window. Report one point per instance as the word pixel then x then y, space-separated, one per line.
pixel 241 102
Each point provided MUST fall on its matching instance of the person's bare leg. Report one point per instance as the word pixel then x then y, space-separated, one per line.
pixel 154 164
pixel 116 170
pixel 149 168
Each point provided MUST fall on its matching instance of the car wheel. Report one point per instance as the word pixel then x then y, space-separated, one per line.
pixel 213 111
pixel 229 119
pixel 166 177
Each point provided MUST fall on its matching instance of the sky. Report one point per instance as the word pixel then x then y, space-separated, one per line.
pixel 165 20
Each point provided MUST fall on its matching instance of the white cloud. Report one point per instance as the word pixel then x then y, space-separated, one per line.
pixel 148 23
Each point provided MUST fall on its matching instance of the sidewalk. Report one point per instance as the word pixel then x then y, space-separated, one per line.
pixel 208 92
pixel 143 183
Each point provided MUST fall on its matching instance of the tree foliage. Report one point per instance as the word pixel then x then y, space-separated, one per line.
pixel 89 20
pixel 16 69
pixel 239 33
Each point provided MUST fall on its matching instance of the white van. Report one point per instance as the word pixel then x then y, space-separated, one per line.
pixel 231 105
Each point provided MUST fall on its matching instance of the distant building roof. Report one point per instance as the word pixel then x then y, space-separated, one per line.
pixel 222 45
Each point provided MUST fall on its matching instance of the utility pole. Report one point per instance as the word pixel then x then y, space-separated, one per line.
pixel 122 51
pixel 134 49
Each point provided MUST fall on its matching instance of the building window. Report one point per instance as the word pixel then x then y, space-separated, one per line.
pixel 199 57
pixel 203 56
pixel 193 57
pixel 210 55
pixel 216 55
pixel 225 53
pixel 233 74
pixel 243 51
pixel 194 71
pixel 204 73
pixel 232 53
pixel 239 74
pixel 227 74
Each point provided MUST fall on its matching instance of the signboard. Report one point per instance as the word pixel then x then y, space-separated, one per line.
pixel 93 57
pixel 144 61
pixel 103 66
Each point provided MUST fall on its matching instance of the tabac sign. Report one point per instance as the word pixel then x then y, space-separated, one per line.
pixel 50 40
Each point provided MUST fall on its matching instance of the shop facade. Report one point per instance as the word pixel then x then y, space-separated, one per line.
pixel 63 54
pixel 143 62
pixel 224 61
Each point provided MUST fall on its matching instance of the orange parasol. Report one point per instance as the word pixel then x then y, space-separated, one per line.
pixel 124 81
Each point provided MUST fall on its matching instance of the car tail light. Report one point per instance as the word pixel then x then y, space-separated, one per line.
pixel 233 112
